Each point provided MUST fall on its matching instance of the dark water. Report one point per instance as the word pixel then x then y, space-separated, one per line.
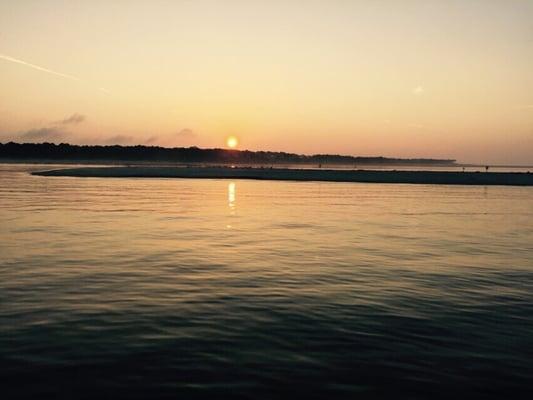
pixel 154 288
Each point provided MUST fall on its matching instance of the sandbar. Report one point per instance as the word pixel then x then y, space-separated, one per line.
pixel 285 174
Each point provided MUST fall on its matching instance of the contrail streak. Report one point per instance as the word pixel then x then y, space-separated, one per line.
pixel 66 76
pixel 7 58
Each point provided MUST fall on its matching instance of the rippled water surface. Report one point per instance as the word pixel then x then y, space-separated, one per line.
pixel 149 288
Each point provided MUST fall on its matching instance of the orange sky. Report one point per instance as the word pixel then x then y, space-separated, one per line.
pixel 406 78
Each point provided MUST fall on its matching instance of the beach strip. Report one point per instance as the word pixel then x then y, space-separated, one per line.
pixel 324 175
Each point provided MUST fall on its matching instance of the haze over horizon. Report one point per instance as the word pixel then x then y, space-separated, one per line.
pixel 405 79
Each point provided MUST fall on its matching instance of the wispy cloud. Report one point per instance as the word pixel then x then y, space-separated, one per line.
pixel 43 69
pixel 73 119
pixel 417 91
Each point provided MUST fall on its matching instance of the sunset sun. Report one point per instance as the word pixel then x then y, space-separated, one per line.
pixel 232 142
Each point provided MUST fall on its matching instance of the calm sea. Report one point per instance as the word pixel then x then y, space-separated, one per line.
pixel 173 288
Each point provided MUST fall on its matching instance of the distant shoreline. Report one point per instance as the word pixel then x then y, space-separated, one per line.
pixel 157 154
pixel 324 175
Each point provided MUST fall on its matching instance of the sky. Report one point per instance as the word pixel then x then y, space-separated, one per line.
pixel 427 78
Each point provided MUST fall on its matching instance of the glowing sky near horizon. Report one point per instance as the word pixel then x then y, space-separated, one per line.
pixel 409 78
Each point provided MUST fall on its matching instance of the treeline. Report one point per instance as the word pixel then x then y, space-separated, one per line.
pixel 68 152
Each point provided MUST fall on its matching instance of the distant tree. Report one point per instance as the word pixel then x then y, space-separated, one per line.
pixel 139 153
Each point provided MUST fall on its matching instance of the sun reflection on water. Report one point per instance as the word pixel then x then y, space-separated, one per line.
pixel 231 200
pixel 231 195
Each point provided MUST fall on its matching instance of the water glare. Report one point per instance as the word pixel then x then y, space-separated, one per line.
pixel 142 288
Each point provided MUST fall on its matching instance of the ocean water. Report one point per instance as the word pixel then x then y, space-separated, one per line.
pixel 174 288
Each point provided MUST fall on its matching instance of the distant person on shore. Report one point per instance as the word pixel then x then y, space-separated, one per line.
pixel 486 168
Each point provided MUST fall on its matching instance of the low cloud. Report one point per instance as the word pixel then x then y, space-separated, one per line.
pixel 43 134
pixel 152 140
pixel 119 139
pixel 64 130
pixel 74 119
pixel 186 133
pixel 417 91
pixel 173 139
pixel 54 132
